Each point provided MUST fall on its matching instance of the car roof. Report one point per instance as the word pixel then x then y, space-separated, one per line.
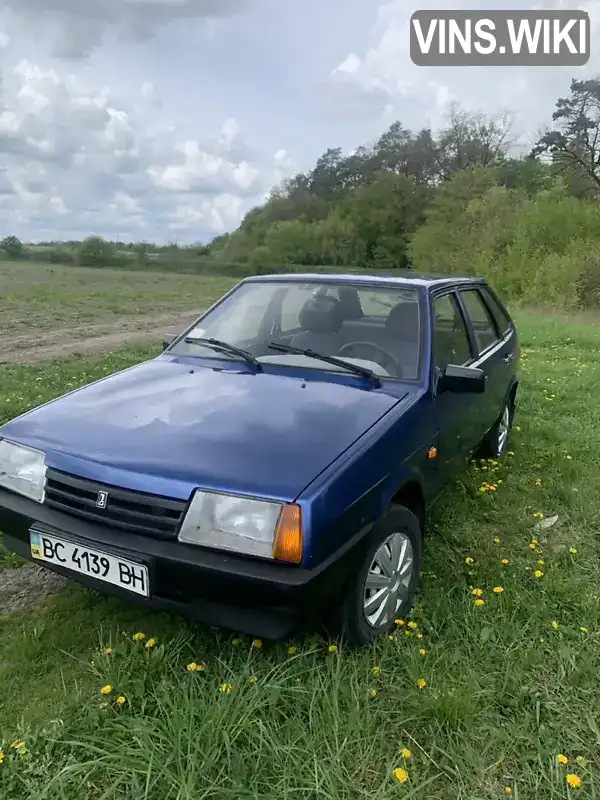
pixel 399 277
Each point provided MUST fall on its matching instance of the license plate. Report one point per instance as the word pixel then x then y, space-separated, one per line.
pixel 103 566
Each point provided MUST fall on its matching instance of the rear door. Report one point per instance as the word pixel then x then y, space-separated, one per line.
pixel 495 351
pixel 452 344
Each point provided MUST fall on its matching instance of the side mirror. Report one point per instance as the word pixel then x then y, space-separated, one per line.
pixel 168 340
pixel 461 380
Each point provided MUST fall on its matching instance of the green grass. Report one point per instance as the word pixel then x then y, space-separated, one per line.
pixel 505 690
pixel 36 297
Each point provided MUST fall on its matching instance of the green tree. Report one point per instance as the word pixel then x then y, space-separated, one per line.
pixel 95 252
pixel 13 247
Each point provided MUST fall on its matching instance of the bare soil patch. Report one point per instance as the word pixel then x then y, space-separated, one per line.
pixel 23 586
pixel 86 340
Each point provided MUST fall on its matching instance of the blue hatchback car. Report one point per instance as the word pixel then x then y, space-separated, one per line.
pixel 273 466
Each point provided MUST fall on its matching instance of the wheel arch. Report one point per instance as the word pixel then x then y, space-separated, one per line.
pixel 411 495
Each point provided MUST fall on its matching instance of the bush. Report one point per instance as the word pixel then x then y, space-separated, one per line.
pixel 96 252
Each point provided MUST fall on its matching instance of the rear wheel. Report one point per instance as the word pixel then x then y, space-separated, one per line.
pixel 385 584
pixel 496 442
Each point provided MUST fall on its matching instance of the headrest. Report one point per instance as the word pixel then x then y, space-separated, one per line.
pixel 321 315
pixel 403 321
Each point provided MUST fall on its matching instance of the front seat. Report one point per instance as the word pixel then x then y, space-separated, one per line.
pixel 321 319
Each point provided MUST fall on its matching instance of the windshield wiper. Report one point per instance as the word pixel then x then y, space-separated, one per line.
pixel 225 347
pixel 337 362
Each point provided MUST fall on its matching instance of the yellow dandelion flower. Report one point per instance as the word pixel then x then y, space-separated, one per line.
pixel 332 648
pixel 373 693
pixel 504 561
pixel 538 573
pixel 541 562
pixel 150 643
pixel 108 650
pixel 419 635
pixel 120 700
pixel 569 458
pixel 532 546
pixel 477 592
pixel 500 481
pixel 583 630
pixel 561 759
pixel 225 688
pixel 496 540
pixel 199 667
pixel 468 560
pixel 538 481
pixel 137 637
pixel 572 550
pixel 479 601
pixel 106 689
pixel 421 683
pixel 573 780
pixel 257 644
pixel 400 775
pixel 507 790
pixel 554 624
pixel 421 652
pixel 405 753
pixel 292 650
pixel 399 622
pixel 497 590
pixel 192 666
pixel 412 625
pixel 18 744
pixel 375 671
pixel 510 453
pixel 518 428
pixel 1 757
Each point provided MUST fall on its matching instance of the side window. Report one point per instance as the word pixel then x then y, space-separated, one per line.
pixel 450 337
pixel 503 321
pixel 483 325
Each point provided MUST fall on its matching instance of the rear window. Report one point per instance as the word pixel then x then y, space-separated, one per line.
pixel 499 313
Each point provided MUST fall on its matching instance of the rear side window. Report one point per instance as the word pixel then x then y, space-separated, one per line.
pixel 481 320
pixel 503 321
pixel 450 337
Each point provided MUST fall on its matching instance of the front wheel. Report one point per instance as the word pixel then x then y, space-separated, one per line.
pixel 385 584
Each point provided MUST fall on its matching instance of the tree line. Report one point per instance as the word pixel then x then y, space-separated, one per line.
pixel 451 201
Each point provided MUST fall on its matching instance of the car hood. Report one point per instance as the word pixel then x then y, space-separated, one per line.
pixel 167 428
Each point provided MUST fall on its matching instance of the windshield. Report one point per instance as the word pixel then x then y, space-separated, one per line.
pixel 373 327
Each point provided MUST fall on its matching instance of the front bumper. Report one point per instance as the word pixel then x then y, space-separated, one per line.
pixel 247 595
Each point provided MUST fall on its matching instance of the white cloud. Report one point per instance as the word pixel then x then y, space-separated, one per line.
pixel 111 165
pixel 384 83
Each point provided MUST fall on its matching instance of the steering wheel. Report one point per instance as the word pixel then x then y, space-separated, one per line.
pixel 388 358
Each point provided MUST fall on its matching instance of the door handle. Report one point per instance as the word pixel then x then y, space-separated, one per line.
pixel 508 358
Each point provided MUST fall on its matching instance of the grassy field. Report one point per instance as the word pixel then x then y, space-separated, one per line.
pixel 47 297
pixel 508 684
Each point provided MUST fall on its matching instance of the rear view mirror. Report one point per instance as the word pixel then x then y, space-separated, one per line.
pixel 461 380
pixel 168 340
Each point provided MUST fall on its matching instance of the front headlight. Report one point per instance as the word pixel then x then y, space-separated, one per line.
pixel 23 470
pixel 244 525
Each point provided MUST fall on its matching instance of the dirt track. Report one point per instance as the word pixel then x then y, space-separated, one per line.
pixel 92 339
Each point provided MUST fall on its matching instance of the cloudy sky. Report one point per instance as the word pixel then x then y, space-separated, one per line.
pixel 168 119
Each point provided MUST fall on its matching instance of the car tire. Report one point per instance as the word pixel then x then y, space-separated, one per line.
pixel 397 534
pixel 496 442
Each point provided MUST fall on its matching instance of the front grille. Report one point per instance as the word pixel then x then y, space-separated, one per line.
pixel 137 512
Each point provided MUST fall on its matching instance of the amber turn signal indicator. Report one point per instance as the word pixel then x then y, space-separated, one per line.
pixel 287 545
pixel 432 452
